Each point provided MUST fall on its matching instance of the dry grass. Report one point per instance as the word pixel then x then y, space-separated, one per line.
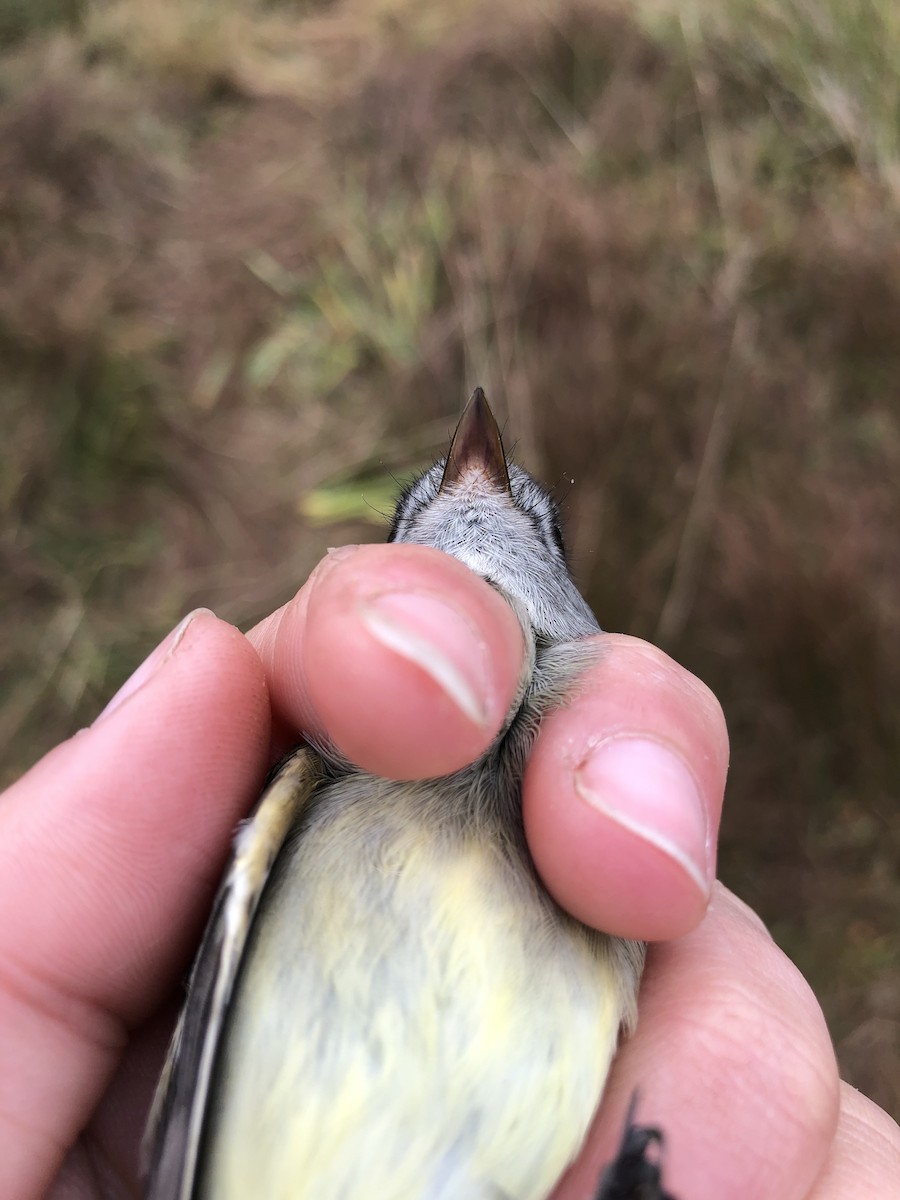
pixel 253 255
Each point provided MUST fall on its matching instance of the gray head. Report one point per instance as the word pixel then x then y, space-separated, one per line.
pixel 484 510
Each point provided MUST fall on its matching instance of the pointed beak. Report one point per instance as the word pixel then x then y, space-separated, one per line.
pixel 476 446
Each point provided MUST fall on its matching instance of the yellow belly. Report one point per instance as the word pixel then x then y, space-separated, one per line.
pixel 414 1021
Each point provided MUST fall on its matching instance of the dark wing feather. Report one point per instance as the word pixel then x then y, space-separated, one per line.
pixel 172 1141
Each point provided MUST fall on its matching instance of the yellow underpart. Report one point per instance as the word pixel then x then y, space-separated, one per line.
pixel 414 1022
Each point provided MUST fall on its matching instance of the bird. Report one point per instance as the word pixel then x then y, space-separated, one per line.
pixel 387 1004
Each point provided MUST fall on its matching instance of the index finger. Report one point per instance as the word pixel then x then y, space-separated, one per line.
pixel 623 794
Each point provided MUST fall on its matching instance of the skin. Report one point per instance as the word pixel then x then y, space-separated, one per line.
pixel 112 845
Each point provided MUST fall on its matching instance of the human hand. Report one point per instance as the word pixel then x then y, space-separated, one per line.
pixel 111 848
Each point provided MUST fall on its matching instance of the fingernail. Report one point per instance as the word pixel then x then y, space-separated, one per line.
pixel 152 663
pixel 646 787
pixel 428 632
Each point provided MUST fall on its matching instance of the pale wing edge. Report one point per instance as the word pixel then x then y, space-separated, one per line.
pixel 169 1154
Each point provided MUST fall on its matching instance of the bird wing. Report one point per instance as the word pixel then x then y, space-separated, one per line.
pixel 171 1144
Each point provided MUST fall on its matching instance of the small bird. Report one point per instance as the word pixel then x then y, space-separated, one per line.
pixel 387 1004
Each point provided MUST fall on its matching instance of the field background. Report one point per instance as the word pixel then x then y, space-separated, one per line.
pixel 254 255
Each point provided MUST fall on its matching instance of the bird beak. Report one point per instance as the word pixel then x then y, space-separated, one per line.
pixel 476 446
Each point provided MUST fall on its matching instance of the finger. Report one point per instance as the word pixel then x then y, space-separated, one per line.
pixel 104 1160
pixel 623 794
pixel 864 1161
pixel 732 1060
pixel 407 659
pixel 110 849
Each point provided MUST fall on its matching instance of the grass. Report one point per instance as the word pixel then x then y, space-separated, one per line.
pixel 255 254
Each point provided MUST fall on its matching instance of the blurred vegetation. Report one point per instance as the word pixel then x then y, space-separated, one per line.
pixel 253 256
